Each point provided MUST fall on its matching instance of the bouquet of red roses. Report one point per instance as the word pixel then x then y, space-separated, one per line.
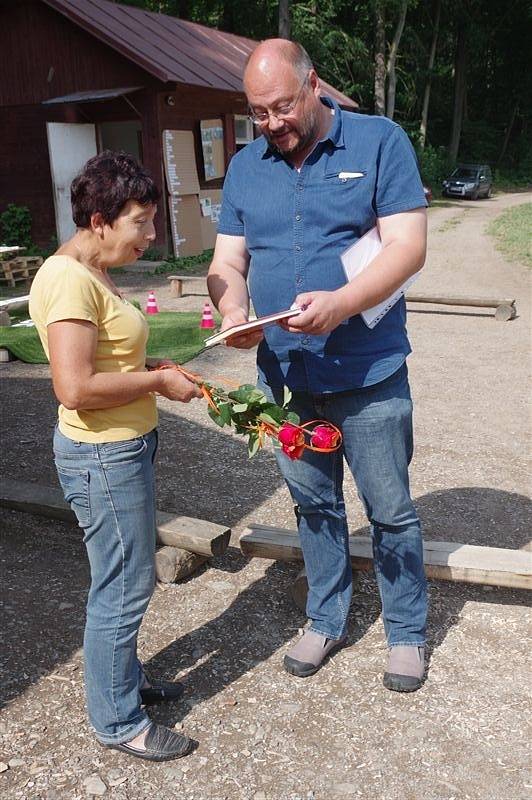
pixel 251 414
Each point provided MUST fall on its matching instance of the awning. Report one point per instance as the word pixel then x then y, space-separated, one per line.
pixel 93 96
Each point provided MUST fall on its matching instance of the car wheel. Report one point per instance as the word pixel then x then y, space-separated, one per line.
pixel 474 196
pixel 488 193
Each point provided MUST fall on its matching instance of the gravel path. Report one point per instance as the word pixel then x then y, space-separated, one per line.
pixel 265 735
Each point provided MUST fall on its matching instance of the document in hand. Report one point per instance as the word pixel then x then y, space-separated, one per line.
pixel 244 327
pixel 356 258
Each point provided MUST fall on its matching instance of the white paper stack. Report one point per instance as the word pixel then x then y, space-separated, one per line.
pixel 356 258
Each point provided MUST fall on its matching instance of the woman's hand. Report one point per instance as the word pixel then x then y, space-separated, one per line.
pixel 175 386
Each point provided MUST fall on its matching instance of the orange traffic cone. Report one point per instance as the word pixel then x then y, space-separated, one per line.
pixel 151 305
pixel 207 320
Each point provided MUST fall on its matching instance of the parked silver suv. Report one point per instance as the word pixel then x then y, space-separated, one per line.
pixel 469 180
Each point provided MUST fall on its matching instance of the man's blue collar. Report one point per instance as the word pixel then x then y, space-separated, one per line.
pixel 335 134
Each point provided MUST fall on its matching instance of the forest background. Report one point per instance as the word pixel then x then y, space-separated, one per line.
pixel 456 74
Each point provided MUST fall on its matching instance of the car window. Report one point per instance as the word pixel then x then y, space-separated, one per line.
pixel 463 174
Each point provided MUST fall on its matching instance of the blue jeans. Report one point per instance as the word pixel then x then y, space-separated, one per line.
pixel 376 425
pixel 111 489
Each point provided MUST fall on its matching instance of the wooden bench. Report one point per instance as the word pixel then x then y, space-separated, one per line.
pixel 176 283
pixel 10 304
pixel 451 561
pixel 196 535
pixel 504 308
pixel 22 268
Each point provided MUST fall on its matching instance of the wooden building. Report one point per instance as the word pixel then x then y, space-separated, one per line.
pixel 79 76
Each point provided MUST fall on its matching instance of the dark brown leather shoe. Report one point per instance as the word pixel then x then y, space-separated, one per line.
pixel 161 744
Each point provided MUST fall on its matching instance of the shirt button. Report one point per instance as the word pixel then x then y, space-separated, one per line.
pixel 298 217
pixel 298 248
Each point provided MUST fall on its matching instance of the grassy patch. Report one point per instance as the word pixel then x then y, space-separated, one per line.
pixel 186 265
pixel 451 223
pixel 512 232
pixel 172 335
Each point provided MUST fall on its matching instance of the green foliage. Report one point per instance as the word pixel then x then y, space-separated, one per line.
pixel 434 166
pixel 512 231
pixel 152 254
pixel 250 413
pixel 15 226
pixel 186 264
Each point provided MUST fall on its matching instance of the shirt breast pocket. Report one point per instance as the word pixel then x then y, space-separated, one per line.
pixel 345 203
pixel 348 180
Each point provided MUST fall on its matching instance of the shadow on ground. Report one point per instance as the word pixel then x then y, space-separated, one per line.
pixel 45 579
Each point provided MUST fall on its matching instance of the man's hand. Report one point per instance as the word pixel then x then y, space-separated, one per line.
pixel 323 312
pixel 244 341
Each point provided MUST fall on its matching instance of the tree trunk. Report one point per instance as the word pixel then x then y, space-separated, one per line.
pixel 508 132
pixel 392 58
pixel 459 93
pixel 426 95
pixel 284 19
pixel 380 60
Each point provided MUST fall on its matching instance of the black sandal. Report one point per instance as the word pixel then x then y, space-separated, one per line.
pixel 161 744
pixel 161 692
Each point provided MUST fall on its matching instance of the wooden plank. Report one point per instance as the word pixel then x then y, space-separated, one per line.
pixel 197 535
pixel 492 566
pixel 14 302
pixel 455 300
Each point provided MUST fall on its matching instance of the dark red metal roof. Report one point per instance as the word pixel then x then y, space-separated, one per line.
pixel 171 49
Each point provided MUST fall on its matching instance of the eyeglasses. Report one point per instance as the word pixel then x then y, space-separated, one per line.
pixel 260 117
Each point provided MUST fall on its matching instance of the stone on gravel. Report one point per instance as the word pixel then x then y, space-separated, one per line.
pixel 16 762
pixel 94 785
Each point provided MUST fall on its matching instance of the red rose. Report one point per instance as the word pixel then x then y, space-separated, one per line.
pixel 324 437
pixel 292 440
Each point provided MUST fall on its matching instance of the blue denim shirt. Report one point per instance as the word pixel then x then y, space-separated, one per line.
pixel 297 224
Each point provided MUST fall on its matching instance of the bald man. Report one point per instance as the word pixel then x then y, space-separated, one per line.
pixel 315 181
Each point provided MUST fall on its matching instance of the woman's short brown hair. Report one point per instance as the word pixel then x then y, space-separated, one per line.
pixel 106 183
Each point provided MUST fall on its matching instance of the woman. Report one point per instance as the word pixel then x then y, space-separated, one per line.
pixel 106 439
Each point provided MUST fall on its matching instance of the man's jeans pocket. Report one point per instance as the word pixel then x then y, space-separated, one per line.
pixel 75 485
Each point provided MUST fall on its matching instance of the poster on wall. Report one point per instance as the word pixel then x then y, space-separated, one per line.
pixel 212 143
pixel 211 204
pixel 180 162
pixel 185 220
pixel 183 192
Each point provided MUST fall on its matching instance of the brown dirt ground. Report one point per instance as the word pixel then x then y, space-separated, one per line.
pixel 265 735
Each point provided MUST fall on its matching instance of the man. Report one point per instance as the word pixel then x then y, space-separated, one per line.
pixel 288 213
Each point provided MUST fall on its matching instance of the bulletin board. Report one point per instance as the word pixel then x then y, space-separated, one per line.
pixel 180 162
pixel 210 204
pixel 212 143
